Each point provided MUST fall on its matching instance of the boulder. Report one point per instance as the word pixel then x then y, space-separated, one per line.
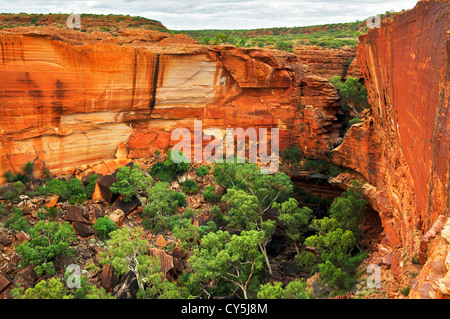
pixel 76 214
pixel 52 201
pixel 21 237
pixel 108 277
pixel 117 216
pixel 127 207
pixel 5 280
pixel 161 242
pixel 127 287
pixel 83 229
pixel 103 188
pixel 166 261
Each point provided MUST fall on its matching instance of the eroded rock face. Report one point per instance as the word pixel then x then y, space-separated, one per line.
pixel 403 149
pixel 327 63
pixel 71 105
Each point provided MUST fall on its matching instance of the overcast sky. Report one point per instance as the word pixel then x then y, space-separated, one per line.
pixel 225 14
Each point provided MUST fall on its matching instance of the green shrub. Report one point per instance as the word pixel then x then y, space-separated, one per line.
pixel 168 170
pixel 57 187
pixel 307 261
pixel 202 170
pixel 352 94
pixel 13 195
pixel 354 120
pixel 209 195
pixel 130 182
pixel 405 291
pixel 76 191
pixel 48 240
pixel 17 222
pixel 161 204
pixel 10 177
pixel 180 198
pixel 28 170
pixel 190 187
pixel 162 173
pixel 103 226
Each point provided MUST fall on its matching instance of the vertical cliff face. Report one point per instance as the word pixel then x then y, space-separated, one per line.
pixel 405 147
pixel 70 105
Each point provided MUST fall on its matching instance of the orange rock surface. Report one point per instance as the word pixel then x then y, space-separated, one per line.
pixel 74 105
pixel 403 149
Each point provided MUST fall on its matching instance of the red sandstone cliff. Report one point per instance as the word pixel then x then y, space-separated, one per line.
pixel 403 149
pixel 69 100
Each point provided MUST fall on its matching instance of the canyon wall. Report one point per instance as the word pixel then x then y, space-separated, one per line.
pixel 403 148
pixel 70 100
pixel 72 105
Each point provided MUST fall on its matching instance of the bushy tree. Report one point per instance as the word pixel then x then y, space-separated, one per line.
pixel 335 244
pixel 130 182
pixel 57 187
pixel 51 289
pixel 161 203
pixel 352 93
pixel 272 291
pixel 54 288
pixel 103 226
pixel 232 258
pixel 127 252
pixel 295 219
pixel 348 209
pixel 190 235
pixel 76 191
pixel 248 177
pixel 244 213
pixel 48 240
pixel 190 187
pixel 295 289
pixel 209 194
pixel 298 289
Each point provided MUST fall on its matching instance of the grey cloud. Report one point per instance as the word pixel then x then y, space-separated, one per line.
pixel 225 14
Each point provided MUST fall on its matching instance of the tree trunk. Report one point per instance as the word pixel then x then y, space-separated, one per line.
pixel 264 251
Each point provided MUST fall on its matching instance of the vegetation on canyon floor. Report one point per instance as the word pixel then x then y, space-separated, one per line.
pixel 230 253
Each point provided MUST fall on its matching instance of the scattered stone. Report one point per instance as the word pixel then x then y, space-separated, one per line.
pixel 161 242
pixel 52 201
pixel 5 280
pixel 21 237
pixel 127 207
pixel 117 216
pixel 102 188
pixel 127 287
pixel 108 277
pixel 76 214
pixel 82 229
pixel 166 261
